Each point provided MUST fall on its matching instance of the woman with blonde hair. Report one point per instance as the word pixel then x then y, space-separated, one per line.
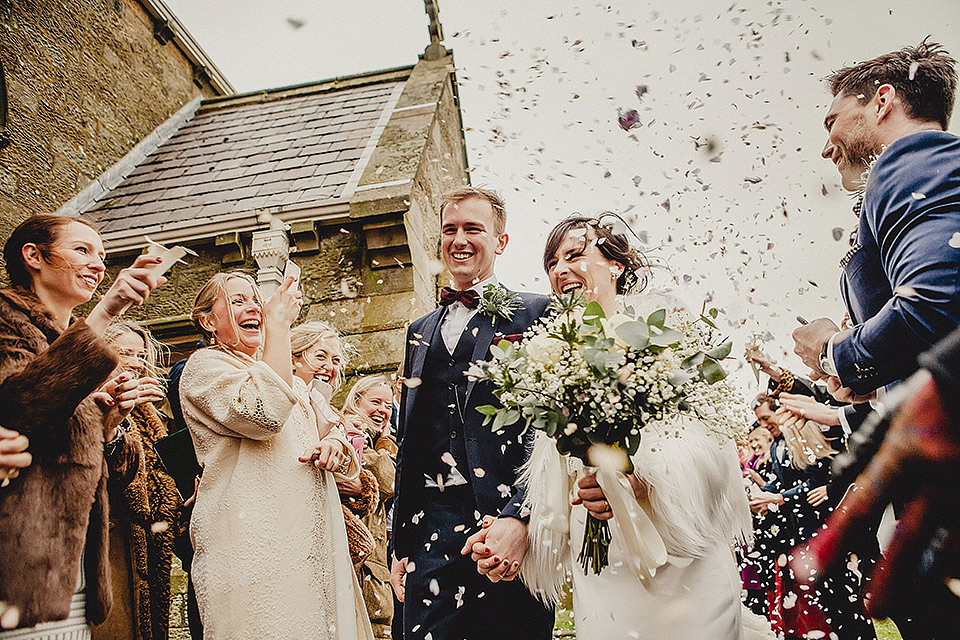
pixel 147 514
pixel 319 356
pixel 271 549
pixel 369 406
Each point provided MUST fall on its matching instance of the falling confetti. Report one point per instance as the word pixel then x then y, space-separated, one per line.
pixel 628 119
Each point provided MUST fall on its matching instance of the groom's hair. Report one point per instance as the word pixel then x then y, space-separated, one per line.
pixel 924 77
pixel 460 194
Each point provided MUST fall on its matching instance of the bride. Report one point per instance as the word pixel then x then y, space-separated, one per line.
pixel 671 573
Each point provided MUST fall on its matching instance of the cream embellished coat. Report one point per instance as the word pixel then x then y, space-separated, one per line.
pixel 271 549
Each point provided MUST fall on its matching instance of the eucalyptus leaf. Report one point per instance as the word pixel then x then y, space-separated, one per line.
pixel 722 351
pixel 488 409
pixel 693 360
pixel 666 338
pixel 657 318
pixel 712 371
pixel 593 314
pixel 636 334
pixel 511 416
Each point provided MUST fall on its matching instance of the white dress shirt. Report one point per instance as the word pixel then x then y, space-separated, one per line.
pixel 458 316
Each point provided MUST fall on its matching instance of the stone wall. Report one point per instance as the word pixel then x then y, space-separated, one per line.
pixel 370 304
pixel 86 81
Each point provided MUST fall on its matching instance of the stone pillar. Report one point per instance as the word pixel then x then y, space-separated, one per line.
pixel 271 249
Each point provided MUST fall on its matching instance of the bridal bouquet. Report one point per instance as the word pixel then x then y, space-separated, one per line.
pixel 584 379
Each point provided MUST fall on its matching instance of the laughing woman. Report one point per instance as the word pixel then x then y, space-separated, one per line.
pixel 686 480
pixel 271 550
pixel 369 405
pixel 54 566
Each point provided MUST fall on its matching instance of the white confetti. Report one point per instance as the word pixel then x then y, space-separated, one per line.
pixel 918 196
pixel 955 240
pixel 434 587
pixel 10 617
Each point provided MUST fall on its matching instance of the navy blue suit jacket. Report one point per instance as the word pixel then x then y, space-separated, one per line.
pixel 902 281
pixel 497 456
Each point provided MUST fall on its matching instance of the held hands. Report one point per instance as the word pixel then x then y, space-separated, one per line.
pixel 498 548
pixel 13 455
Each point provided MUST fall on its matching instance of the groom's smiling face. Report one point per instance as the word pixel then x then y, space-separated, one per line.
pixel 469 241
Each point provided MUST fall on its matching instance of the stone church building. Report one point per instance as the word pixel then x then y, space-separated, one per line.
pixel 111 111
pixel 141 134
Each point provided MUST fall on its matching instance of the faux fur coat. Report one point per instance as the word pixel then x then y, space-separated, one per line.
pixel 55 513
pixel 147 512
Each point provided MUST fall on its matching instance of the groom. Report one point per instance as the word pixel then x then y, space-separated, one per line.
pixel 451 470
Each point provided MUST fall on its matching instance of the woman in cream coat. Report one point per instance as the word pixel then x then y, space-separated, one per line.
pixel 271 550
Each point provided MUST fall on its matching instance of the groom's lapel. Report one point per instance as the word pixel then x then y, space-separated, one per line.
pixel 485 334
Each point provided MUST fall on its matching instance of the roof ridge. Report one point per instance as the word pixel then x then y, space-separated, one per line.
pixel 336 83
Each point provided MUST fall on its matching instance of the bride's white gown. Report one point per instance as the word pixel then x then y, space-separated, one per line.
pixel 687 598
pixel 671 574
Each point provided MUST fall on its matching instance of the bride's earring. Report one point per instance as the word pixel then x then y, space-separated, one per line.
pixel 616 273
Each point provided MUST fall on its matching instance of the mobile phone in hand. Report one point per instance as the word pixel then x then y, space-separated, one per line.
pixel 292 269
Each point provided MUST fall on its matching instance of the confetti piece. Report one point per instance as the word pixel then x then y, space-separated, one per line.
pixel 918 196
pixel 412 383
pixel 447 457
pixel 10 617
pixel 628 119
pixel 954 240
pixel 159 527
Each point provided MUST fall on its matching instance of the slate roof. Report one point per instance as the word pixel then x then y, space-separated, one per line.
pixel 236 157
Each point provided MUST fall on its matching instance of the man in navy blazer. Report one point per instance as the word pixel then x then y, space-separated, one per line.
pixel 901 279
pixel 452 471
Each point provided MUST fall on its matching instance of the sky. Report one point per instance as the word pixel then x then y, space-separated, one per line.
pixel 721 178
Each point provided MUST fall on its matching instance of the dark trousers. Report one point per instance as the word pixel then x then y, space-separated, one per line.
pixel 446 599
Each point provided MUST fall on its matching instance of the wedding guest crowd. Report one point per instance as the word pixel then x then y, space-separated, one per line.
pixel 290 526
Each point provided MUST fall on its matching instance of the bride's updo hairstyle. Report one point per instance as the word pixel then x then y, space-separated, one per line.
pixel 613 245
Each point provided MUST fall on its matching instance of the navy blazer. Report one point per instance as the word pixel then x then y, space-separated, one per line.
pixel 499 455
pixel 901 283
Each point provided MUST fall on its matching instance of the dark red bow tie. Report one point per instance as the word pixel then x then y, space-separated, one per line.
pixel 469 298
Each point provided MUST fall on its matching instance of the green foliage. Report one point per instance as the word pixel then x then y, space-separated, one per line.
pixel 497 302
